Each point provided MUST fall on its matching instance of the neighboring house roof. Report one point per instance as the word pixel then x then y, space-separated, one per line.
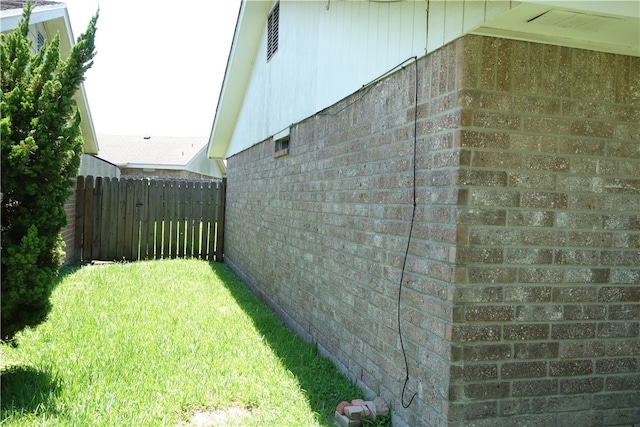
pixel 18 4
pixel 125 150
pixel 55 19
pixel 610 26
pixel 155 152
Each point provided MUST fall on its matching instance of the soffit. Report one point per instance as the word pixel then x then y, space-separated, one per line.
pixel 612 27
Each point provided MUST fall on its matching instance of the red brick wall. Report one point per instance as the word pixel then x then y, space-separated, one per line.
pixel 161 173
pixel 520 296
pixel 547 313
pixel 68 233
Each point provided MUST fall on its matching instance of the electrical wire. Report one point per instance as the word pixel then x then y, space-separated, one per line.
pixel 368 87
pixel 413 216
pixel 406 253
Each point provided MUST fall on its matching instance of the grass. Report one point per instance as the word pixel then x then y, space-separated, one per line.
pixel 153 343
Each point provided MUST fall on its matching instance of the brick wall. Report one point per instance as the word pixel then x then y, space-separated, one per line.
pixel 68 232
pixel 162 173
pixel 519 303
pixel 549 233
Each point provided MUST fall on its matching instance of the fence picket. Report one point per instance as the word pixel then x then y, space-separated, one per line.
pixel 162 220
pixel 122 216
pixel 88 219
pixel 103 221
pixel 129 219
pixel 200 224
pixel 152 212
pixel 136 186
pixel 97 208
pixel 178 221
pixel 172 209
pixel 204 215
pixel 195 219
pixel 185 223
pixel 113 220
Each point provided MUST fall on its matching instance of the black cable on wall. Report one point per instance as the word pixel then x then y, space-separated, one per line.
pixel 368 88
pixel 406 253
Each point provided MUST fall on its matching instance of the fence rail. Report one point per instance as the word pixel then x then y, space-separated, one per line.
pixel 135 219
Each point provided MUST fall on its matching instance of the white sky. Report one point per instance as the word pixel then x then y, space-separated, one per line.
pixel 159 64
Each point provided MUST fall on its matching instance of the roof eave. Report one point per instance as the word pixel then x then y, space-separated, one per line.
pixel 55 18
pixel 11 17
pixel 246 40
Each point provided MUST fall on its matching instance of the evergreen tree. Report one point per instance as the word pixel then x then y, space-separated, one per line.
pixel 41 149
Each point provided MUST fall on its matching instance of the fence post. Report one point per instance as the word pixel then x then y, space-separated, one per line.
pixel 222 194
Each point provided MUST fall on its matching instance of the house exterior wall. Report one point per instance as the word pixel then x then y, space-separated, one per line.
pixel 547 312
pixel 95 166
pixel 68 232
pixel 520 295
pixel 364 39
pixel 162 173
pixel 33 36
pixel 292 85
pixel 549 232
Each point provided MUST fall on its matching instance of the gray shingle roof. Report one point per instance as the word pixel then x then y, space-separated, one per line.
pixel 19 4
pixel 154 150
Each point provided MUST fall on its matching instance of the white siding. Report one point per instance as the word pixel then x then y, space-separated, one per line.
pixel 34 29
pixel 95 166
pixel 361 40
pixel 328 50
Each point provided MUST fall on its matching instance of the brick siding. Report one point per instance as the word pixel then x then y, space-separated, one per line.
pixel 68 232
pixel 136 173
pixel 520 300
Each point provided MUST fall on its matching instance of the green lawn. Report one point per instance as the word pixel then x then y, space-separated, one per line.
pixel 155 343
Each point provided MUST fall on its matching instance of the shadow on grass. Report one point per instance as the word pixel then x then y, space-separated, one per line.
pixel 321 381
pixel 26 390
pixel 30 314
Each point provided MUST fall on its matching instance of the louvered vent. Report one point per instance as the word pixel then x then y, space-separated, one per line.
pixel 39 41
pixel 272 31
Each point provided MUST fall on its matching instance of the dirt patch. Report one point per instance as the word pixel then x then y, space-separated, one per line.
pixel 232 416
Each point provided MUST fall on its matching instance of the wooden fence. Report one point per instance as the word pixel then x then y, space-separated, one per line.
pixel 136 219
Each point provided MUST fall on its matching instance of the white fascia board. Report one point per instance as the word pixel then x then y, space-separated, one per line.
pixel 246 40
pixel 86 125
pixel 62 26
pixel 11 18
pixel 217 167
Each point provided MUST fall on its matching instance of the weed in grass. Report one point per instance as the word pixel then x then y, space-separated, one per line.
pixel 155 343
